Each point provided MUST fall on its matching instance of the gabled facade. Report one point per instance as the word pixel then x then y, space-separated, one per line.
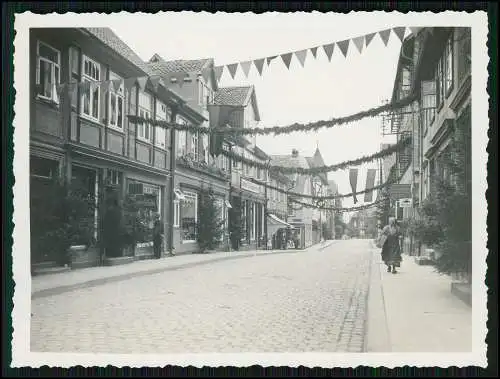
pixel 84 136
pixel 248 199
pixel 195 168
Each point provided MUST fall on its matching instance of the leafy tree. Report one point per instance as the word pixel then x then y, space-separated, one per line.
pixel 210 225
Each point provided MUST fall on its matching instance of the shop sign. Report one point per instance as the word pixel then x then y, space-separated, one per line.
pixel 145 201
pixel 249 186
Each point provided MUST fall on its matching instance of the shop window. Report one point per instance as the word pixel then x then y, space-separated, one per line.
pixel 116 103
pixel 48 71
pixel 189 216
pixel 91 75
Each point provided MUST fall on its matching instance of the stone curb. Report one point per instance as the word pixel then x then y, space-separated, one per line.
pixel 116 278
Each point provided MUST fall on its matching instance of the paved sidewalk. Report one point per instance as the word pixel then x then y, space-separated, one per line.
pixel 415 311
pixel 51 284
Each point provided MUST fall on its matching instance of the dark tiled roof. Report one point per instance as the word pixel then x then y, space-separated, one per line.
pixel 234 96
pixel 317 161
pixel 163 67
pixel 110 39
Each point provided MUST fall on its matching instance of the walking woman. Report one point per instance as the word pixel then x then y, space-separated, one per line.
pixel 391 249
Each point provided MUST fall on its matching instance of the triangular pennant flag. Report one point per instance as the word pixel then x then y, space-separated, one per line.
pixel 329 50
pixel 385 34
pixel 84 86
pixel 430 31
pixel 344 46
pixel 232 69
pixel 60 88
pixel 218 72
pixel 245 66
pixel 368 38
pixel 116 84
pixel 287 59
pixel 353 179
pixel 301 55
pixel 129 83
pixel 142 80
pixel 155 81
pixel 107 85
pixel 259 65
pixel 400 32
pixel 415 30
pixel 269 59
pixel 359 42
pixel 314 50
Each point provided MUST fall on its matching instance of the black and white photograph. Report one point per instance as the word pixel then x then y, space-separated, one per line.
pixel 215 189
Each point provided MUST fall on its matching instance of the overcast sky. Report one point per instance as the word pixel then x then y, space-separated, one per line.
pixel 321 90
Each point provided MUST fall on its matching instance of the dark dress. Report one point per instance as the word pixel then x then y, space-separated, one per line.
pixel 157 238
pixel 391 251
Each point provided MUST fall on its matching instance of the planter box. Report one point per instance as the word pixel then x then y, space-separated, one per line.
pixel 463 291
pixel 118 261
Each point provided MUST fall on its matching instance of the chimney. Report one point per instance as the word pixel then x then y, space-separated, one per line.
pixel 295 153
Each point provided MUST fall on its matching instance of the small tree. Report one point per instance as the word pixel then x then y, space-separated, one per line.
pixel 61 215
pixel 210 225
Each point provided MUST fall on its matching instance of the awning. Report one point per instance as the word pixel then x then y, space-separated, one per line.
pixel 277 220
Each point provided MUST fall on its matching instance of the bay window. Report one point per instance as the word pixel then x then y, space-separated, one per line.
pixel 162 114
pixel 91 75
pixel 144 130
pixel 189 216
pixel 116 104
pixel 48 71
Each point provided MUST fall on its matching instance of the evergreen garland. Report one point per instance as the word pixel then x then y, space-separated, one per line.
pixel 308 205
pixel 322 169
pixel 276 130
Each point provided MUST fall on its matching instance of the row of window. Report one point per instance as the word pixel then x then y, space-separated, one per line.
pixel 48 71
pixel 435 91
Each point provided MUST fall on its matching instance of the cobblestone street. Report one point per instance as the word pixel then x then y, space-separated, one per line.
pixel 303 301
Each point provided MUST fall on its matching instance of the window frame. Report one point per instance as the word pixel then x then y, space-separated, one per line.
pixel 194 148
pixel 87 78
pixel 181 150
pixel 449 71
pixel 177 213
pixel 118 95
pixel 142 127
pixel 161 117
pixel 54 96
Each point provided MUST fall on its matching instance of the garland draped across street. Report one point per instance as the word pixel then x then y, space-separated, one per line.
pixel 276 130
pixel 387 183
pixel 321 169
pixel 351 209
